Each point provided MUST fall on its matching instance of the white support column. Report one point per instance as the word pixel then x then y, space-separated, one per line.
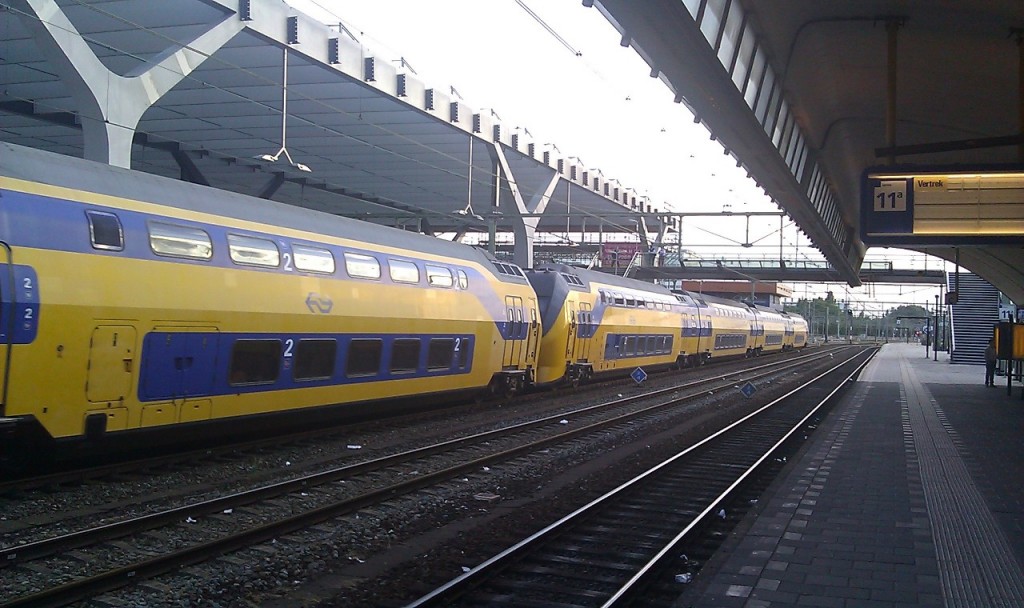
pixel 525 228
pixel 110 105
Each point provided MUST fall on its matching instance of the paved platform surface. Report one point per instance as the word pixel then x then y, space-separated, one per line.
pixel 910 493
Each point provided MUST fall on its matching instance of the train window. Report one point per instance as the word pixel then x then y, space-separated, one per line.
pixel 180 241
pixel 314 359
pixel 313 259
pixel 403 272
pixel 630 346
pixel 254 362
pixel 252 251
pixel 105 231
pixel 362 266
pixel 405 355
pixel 463 280
pixel 439 356
pixel 439 276
pixel 630 301
pixel 363 357
pixel 621 301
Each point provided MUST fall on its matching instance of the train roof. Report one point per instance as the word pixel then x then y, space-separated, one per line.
pixel 39 166
pixel 588 276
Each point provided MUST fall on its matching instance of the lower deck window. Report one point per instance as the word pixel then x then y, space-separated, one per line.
pixel 405 355
pixel 314 359
pixel 255 362
pixel 363 358
pixel 440 355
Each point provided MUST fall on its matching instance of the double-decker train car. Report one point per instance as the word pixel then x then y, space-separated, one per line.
pixel 133 302
pixel 598 324
pixel 798 330
pixel 734 329
pixel 773 331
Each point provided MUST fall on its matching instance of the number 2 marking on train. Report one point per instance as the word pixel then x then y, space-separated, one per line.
pixel 288 345
pixel 28 282
pixel 458 343
pixel 288 261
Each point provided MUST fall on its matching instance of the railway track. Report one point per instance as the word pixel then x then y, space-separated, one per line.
pixel 73 565
pixel 606 551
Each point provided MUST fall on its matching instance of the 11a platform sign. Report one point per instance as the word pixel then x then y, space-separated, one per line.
pixel 891 195
pixel 890 210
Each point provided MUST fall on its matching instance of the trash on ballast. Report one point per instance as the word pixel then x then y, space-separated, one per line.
pixel 466 569
pixel 287 463
pixel 227 511
pixel 563 421
pixel 189 520
pixel 354 446
pixel 486 496
pixel 684 578
pixel 487 469
pixel 721 513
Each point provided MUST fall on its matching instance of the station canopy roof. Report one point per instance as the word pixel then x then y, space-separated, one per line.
pixel 809 94
pixel 379 144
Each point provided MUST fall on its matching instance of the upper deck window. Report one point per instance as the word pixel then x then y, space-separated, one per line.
pixel 252 251
pixel 403 272
pixel 362 266
pixel 313 259
pixel 180 241
pixel 105 231
pixel 439 276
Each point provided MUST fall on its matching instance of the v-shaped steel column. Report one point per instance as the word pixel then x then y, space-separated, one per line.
pixel 108 104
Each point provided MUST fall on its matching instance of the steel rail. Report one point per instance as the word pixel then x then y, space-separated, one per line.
pixel 475 576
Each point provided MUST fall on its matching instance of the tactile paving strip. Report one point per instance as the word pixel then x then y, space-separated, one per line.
pixel 976 564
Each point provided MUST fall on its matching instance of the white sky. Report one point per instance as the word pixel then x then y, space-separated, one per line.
pixel 601 106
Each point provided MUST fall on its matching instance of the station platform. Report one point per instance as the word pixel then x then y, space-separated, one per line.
pixel 908 494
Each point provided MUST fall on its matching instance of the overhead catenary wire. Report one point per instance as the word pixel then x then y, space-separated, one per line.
pixel 549 29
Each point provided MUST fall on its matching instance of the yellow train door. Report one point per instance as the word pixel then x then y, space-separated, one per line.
pixel 513 340
pixel 533 337
pixel 586 331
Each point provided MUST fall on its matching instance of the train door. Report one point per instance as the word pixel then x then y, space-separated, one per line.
pixel 571 339
pixel 513 339
pixel 533 335
pixel 585 331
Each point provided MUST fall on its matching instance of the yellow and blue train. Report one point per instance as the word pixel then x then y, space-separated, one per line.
pixel 599 324
pixel 136 306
